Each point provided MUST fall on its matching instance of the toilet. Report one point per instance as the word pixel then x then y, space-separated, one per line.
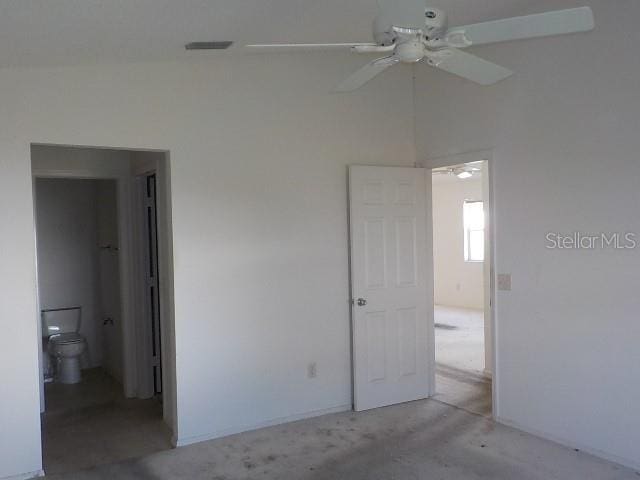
pixel 61 326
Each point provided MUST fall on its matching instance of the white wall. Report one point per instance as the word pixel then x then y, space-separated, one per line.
pixel 109 278
pixel 68 255
pixel 259 151
pixel 456 283
pixel 565 138
pixel 76 161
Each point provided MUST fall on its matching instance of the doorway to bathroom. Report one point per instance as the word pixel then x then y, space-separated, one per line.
pixel 104 267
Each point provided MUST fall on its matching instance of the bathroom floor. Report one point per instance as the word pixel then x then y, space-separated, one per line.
pixel 92 423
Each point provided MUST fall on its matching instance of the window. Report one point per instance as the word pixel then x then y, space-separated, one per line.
pixel 473 214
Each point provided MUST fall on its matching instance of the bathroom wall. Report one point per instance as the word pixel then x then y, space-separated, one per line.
pixel 67 253
pixel 75 217
pixel 109 277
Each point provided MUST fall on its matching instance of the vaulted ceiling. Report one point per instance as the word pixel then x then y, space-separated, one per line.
pixel 69 32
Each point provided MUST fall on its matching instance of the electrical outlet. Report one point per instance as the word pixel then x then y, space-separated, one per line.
pixel 312 370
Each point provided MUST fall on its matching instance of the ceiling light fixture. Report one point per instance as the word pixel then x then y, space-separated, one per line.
pixel 464 174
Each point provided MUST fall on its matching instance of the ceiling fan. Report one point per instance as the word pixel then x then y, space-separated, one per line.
pixel 463 171
pixel 410 31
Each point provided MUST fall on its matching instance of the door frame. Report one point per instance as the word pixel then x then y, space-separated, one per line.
pixel 490 256
pixel 128 280
pixel 162 170
pixel 146 388
pixel 490 290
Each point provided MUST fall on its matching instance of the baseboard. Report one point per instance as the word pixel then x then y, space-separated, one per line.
pixel 625 462
pixel 25 476
pixel 181 442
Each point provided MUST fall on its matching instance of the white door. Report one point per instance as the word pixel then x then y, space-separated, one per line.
pixel 391 285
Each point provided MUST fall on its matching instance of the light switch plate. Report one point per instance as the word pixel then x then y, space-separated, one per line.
pixel 504 282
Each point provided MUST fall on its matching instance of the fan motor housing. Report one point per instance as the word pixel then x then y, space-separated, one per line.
pixel 410 52
pixel 383 33
pixel 435 22
pixel 435 25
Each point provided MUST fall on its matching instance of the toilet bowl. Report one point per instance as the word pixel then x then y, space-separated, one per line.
pixel 65 345
pixel 66 349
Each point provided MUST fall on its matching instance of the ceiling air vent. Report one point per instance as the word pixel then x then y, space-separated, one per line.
pixel 208 45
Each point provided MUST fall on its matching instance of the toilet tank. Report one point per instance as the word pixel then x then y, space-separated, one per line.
pixel 61 320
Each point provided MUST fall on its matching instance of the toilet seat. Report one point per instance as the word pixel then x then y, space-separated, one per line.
pixel 66 338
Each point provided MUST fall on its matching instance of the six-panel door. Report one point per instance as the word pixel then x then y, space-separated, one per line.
pixel 392 292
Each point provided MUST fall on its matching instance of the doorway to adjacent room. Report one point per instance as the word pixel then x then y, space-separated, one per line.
pixel 461 260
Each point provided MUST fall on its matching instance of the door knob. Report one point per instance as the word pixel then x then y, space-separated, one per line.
pixel 361 302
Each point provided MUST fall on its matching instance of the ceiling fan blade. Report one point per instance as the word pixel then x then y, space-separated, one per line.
pixel 305 47
pixel 373 48
pixel 366 73
pixel 472 67
pixel 407 14
pixel 529 26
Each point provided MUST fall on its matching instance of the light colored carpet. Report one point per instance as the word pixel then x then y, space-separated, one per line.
pixel 460 338
pixel 419 440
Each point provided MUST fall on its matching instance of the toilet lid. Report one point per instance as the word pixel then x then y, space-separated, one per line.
pixel 66 338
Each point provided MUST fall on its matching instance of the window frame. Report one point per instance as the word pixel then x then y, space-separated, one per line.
pixel 467 231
